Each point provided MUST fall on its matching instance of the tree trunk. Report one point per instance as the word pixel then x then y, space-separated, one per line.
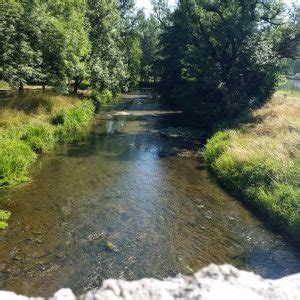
pixel 44 87
pixel 77 83
pixel 75 87
pixel 21 87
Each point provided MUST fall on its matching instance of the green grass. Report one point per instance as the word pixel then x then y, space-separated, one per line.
pixel 75 123
pixel 27 128
pixel 260 163
pixel 15 159
pixel 40 137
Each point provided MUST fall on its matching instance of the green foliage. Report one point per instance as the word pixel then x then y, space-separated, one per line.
pixel 4 216
pixel 267 183
pixel 20 56
pixel 15 159
pixel 75 123
pixel 149 43
pixel 215 146
pixel 102 98
pixel 40 137
pixel 34 124
pixel 108 69
pixel 219 59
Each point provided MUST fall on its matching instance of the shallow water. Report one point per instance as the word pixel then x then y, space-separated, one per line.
pixel 130 201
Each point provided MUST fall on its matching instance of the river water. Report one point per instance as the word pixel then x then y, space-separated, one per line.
pixel 130 201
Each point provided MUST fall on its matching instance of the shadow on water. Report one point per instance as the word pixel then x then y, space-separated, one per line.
pixel 128 202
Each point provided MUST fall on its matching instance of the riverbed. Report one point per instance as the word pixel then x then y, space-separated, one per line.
pixel 130 201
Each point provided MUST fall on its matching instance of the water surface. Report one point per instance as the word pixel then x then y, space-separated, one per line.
pixel 130 201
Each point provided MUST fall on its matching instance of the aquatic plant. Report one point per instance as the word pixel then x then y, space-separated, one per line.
pixel 4 216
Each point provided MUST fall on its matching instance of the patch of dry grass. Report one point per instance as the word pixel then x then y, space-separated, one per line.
pixel 275 131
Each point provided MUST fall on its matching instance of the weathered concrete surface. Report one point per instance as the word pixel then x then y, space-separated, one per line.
pixel 213 282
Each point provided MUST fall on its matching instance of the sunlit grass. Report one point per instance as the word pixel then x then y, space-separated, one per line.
pixel 260 161
pixel 27 128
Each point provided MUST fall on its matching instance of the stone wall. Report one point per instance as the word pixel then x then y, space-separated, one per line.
pixel 214 282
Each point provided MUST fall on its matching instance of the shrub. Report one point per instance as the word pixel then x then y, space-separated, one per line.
pixel 15 158
pixel 101 98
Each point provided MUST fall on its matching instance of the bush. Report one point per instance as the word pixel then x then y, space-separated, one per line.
pixel 39 137
pixel 101 98
pixel 76 122
pixel 15 159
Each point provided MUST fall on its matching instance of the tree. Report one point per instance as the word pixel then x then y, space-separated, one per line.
pixel 222 58
pixel 149 43
pixel 108 69
pixel 131 40
pixel 20 56
pixel 65 43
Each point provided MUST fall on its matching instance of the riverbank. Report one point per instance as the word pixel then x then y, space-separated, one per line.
pixel 33 124
pixel 260 162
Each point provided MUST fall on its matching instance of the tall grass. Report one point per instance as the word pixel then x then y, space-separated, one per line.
pixel 27 128
pixel 258 162
pixel 74 123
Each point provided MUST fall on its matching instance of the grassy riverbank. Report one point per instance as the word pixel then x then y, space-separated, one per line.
pixel 260 162
pixel 33 124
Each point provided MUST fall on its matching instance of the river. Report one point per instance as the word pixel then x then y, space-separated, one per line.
pixel 130 201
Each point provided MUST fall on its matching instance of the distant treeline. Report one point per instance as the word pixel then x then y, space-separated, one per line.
pixel 219 59
pixel 107 43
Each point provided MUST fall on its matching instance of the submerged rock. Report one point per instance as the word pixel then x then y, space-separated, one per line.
pixel 211 283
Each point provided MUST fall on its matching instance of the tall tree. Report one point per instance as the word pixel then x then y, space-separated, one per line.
pixel 65 43
pixel 221 58
pixel 149 44
pixel 20 56
pixel 108 69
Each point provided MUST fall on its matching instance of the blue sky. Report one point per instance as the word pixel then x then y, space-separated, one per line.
pixel 146 4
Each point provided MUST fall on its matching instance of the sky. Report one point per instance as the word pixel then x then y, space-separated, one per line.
pixel 146 4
